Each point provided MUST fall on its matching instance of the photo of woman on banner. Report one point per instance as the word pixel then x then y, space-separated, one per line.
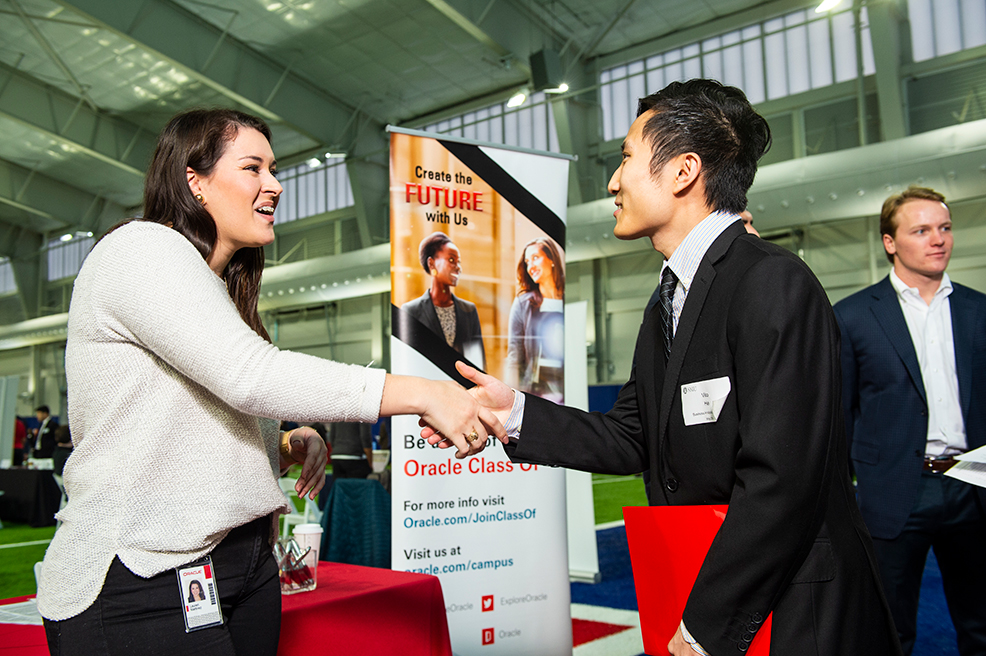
pixel 445 314
pixel 536 334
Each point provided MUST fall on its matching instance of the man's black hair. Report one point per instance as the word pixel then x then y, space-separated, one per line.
pixel 718 124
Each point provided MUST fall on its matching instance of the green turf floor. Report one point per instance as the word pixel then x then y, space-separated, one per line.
pixel 18 554
pixel 19 550
pixel 611 493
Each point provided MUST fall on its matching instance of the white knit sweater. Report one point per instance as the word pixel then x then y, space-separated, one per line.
pixel 166 385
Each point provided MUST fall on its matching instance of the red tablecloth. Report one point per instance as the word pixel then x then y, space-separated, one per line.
pixel 366 611
pixel 21 639
pixel 355 610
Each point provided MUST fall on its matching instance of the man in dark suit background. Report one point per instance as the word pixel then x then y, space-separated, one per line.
pixel 44 442
pixel 914 392
pixel 747 324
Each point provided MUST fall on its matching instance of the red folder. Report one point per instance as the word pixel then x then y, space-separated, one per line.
pixel 668 545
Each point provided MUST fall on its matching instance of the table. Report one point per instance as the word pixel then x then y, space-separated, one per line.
pixel 355 610
pixel 366 611
pixel 30 496
pixel 20 639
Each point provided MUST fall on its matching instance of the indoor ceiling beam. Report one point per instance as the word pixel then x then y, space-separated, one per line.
pixel 219 61
pixel 886 25
pixel 515 60
pixel 72 124
pixel 51 52
pixel 41 203
pixel 27 268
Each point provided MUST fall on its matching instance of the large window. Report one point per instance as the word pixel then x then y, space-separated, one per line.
pixel 532 125
pixel 65 257
pixel 7 283
pixel 940 27
pixel 778 57
pixel 312 190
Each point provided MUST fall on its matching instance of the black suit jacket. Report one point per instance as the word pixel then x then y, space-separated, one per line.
pixel 468 332
pixel 793 542
pixel 44 446
pixel 884 396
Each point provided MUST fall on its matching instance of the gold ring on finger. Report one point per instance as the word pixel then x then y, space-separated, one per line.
pixel 473 436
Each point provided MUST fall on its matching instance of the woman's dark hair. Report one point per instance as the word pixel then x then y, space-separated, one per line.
pixel 191 597
pixel 431 245
pixel 527 284
pixel 716 122
pixel 197 139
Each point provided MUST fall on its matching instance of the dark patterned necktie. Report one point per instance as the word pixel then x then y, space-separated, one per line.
pixel 665 298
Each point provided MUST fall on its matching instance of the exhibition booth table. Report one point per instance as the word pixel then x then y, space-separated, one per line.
pixel 355 610
pixel 30 496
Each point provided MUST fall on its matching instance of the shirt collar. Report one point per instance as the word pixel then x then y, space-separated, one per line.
pixel 912 293
pixel 686 258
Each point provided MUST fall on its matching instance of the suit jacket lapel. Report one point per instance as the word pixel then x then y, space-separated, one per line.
pixel 886 309
pixel 690 314
pixel 963 324
pixel 431 316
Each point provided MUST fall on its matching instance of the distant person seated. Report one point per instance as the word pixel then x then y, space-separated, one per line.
pixel 63 448
pixel 383 438
pixel 44 443
pixel 352 449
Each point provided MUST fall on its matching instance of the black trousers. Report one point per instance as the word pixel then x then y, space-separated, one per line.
pixel 947 517
pixel 133 615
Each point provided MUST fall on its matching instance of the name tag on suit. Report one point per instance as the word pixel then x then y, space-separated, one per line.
pixel 702 401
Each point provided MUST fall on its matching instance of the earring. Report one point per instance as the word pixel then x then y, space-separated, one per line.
pixel 200 198
pixel 434 272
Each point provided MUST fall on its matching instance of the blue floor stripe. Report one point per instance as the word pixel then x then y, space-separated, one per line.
pixel 936 636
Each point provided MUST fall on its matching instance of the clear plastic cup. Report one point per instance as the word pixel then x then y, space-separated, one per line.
pixel 309 536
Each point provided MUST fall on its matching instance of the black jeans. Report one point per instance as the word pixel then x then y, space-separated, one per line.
pixel 133 615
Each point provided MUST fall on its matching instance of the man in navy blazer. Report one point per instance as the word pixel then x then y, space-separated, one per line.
pixel 914 395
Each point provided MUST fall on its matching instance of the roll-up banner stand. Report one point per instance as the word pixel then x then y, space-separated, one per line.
pixel 490 221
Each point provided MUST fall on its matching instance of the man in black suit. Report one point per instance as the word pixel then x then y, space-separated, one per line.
pixel 745 323
pixel 914 393
pixel 44 443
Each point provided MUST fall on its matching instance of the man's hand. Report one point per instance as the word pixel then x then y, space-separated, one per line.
pixel 680 647
pixel 489 392
pixel 308 448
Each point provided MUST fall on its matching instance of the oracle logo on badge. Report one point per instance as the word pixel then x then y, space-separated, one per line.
pixel 488 636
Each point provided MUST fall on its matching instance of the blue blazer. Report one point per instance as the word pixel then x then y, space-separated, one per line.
pixel 884 400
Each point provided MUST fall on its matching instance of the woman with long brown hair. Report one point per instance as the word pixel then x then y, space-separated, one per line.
pixel 174 392
pixel 535 334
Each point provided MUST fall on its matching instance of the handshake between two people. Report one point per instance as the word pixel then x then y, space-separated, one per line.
pixel 493 399
pixel 450 416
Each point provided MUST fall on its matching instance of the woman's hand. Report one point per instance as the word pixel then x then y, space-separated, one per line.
pixel 308 448
pixel 446 407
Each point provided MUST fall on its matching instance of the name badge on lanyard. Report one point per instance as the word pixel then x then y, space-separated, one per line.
pixel 199 597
